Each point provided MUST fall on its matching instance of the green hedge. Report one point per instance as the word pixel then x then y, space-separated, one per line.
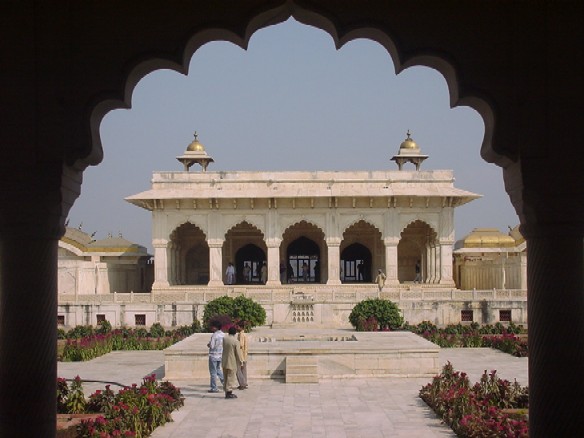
pixel 376 314
pixel 236 309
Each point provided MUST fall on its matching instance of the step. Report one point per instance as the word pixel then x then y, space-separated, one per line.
pixel 301 369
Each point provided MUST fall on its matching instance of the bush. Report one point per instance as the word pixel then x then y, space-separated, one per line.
pixel 104 327
pixel 157 331
pixel 376 314
pixel 227 309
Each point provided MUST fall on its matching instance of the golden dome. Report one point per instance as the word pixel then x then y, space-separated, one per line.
pixel 408 143
pixel 488 238
pixel 196 146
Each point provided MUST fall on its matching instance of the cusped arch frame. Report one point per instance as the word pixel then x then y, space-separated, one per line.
pixel 291 222
pixel 342 30
pixel 177 224
pixel 341 34
pixel 234 222
pixel 413 221
pixel 375 221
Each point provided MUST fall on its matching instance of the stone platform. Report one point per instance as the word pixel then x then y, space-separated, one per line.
pixel 338 353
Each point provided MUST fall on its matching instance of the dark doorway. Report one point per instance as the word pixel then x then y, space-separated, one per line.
pixel 248 264
pixel 304 259
pixel 356 264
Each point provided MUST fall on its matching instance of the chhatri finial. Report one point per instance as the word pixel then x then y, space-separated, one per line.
pixel 409 152
pixel 195 154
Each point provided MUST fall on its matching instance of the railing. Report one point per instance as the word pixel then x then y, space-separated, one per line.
pixel 318 294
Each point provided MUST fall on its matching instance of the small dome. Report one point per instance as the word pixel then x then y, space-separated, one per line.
pixel 196 146
pixel 488 238
pixel 408 143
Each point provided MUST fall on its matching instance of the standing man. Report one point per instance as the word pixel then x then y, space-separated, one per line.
pixel 242 372
pixel 231 361
pixel 230 273
pixel 418 278
pixel 380 279
pixel 215 346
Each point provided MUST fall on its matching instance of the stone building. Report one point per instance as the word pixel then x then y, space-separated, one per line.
pixel 94 267
pixel 487 259
pixel 63 70
pixel 340 227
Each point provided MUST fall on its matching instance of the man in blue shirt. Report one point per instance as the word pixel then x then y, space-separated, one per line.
pixel 215 346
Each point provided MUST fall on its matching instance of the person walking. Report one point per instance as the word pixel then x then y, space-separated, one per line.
pixel 418 277
pixel 215 346
pixel 242 371
pixel 231 361
pixel 380 279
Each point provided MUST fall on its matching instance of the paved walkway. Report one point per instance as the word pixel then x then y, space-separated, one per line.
pixel 371 407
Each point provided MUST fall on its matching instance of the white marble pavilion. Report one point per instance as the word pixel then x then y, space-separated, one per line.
pixel 343 225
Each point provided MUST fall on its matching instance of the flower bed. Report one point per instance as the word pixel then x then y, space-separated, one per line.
pixel 487 409
pixel 134 411
pixel 505 338
pixel 86 343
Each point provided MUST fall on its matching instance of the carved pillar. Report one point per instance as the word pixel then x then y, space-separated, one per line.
pixel 446 269
pixel 160 263
pixel 273 262
pixel 334 259
pixel 215 262
pixel 555 275
pixel 391 260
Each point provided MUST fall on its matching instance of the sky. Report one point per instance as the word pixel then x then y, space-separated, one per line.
pixel 291 101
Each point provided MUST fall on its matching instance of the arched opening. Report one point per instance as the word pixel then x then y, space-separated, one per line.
pixel 356 264
pixel 188 256
pixel 303 251
pixel 303 257
pixel 417 254
pixel 248 264
pixel 244 244
pixel 362 252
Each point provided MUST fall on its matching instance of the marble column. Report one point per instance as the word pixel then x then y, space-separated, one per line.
pixel 446 270
pixel 334 259
pixel 273 262
pixel 215 262
pixel 160 263
pixel 391 260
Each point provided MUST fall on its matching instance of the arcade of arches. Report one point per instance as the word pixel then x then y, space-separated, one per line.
pixel 63 70
pixel 303 255
pixel 351 225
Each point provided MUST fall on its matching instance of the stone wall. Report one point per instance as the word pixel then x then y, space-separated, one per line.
pixel 285 307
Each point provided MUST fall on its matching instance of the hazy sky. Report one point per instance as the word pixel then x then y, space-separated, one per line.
pixel 290 102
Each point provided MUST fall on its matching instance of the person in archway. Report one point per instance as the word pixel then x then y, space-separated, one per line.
pixel 305 272
pixel 246 273
pixel 317 271
pixel 418 277
pixel 264 273
pixel 290 272
pixel 230 274
pixel 380 279
pixel 360 267
pixel 282 272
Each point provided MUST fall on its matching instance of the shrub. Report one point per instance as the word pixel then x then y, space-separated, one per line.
pixel 227 309
pixel 376 314
pixel 157 331
pixel 104 327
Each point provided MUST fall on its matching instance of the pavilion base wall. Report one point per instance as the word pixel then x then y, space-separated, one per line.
pixel 286 307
